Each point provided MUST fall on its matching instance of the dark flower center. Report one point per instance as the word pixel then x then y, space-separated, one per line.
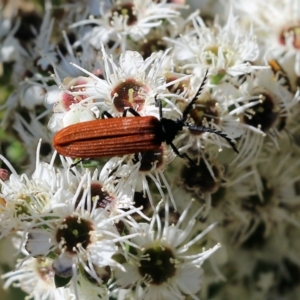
pixel 74 231
pixel 127 10
pixel 158 264
pixel 263 114
pixel 150 159
pixel 205 110
pixel 98 194
pixel 129 94
pixel 199 179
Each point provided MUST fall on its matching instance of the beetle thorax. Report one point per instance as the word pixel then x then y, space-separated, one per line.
pixel 170 129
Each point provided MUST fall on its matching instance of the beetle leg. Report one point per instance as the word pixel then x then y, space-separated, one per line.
pixel 76 163
pixel 182 155
pixel 132 111
pixel 106 114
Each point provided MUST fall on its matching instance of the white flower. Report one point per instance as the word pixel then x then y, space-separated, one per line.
pixel 122 19
pixel 263 108
pixel 81 240
pixel 277 25
pixel 222 50
pixel 72 102
pixel 26 199
pixel 160 268
pixel 135 82
pixel 35 276
pixel 138 169
pixel 211 110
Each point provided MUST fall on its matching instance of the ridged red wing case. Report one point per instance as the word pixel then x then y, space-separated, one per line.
pixel 109 137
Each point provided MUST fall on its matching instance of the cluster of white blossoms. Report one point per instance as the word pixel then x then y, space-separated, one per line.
pixel 216 84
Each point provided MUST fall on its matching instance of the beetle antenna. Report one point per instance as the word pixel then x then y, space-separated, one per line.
pixel 198 93
pixel 217 132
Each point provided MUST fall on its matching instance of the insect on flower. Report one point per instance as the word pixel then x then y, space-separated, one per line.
pixel 280 73
pixel 120 136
